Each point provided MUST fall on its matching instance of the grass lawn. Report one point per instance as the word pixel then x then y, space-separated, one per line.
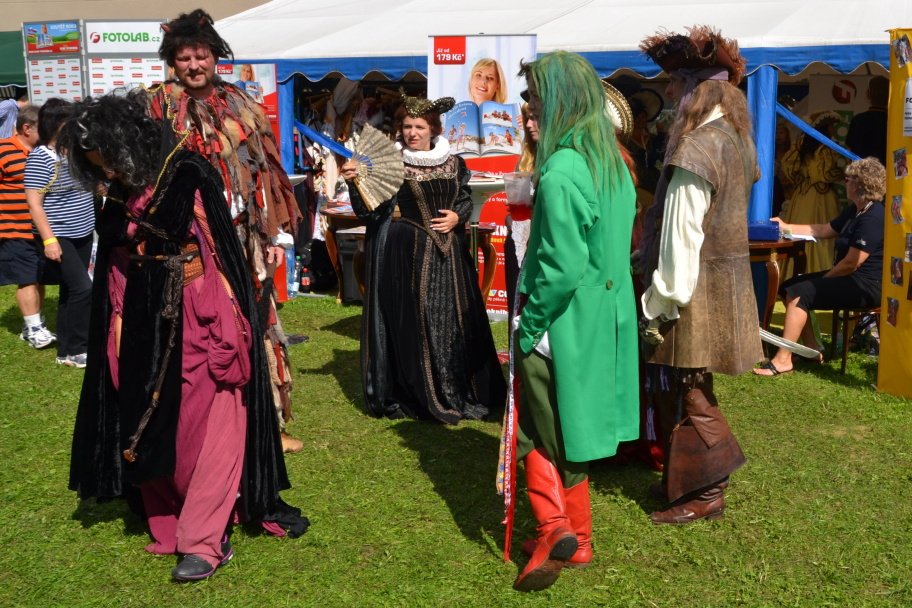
pixel 405 514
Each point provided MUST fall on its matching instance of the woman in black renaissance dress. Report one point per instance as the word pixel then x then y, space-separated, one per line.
pixel 426 346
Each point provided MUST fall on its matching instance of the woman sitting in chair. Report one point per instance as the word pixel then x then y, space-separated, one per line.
pixel 854 280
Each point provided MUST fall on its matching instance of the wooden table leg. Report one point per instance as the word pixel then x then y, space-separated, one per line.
pixel 473 243
pixel 489 256
pixel 333 251
pixel 358 266
pixel 772 288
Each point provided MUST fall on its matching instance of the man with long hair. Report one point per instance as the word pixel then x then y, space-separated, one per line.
pixel 575 342
pixel 699 307
pixel 227 127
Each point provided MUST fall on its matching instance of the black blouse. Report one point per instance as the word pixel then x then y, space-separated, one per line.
pixel 864 231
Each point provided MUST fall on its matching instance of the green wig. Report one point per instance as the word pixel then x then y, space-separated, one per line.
pixel 573 115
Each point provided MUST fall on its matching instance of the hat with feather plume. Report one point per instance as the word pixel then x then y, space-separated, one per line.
pixel 702 47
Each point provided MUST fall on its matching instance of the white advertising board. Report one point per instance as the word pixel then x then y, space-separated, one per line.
pixel 108 73
pixel 54 77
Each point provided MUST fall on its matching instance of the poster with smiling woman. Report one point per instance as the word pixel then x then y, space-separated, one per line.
pixel 257 80
pixel 479 72
pixel 485 127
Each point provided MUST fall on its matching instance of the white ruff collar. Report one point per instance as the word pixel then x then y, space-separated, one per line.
pixel 427 158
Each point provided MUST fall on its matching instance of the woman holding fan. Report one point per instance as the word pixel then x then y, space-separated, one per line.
pixel 426 346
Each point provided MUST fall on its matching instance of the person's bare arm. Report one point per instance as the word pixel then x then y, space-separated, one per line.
pixel 849 264
pixel 818 231
pixel 35 200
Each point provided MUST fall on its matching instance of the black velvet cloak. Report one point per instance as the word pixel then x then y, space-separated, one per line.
pixel 106 419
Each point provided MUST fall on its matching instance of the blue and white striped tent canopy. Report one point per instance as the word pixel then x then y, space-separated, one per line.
pixel 354 37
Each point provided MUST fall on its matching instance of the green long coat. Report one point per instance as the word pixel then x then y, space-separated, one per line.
pixel 576 275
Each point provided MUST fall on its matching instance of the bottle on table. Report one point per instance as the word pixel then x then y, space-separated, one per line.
pixel 292 267
pixel 305 279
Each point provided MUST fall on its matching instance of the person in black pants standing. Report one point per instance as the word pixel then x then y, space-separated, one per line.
pixel 63 212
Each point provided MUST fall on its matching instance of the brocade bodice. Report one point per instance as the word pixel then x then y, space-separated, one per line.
pixel 428 190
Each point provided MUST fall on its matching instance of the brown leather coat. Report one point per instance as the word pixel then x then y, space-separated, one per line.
pixel 718 331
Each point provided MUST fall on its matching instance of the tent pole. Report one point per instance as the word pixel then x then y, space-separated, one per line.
pixel 762 89
pixel 286 123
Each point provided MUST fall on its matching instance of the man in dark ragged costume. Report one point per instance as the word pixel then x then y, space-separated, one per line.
pixel 227 127
pixel 699 306
pixel 176 398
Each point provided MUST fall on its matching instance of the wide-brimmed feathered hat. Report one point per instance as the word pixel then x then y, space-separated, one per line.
pixel 702 47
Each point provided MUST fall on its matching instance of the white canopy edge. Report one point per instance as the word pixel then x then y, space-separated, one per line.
pixel 291 29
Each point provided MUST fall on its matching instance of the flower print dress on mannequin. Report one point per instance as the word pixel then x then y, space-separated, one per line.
pixel 812 169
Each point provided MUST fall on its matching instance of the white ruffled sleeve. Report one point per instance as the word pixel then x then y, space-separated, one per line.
pixel 673 282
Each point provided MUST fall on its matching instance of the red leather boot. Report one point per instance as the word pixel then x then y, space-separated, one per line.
pixel 580 514
pixel 556 541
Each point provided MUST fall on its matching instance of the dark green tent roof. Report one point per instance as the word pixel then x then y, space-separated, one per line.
pixel 12 61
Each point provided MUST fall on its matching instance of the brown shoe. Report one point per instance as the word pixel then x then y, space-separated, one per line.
pixel 710 504
pixel 290 445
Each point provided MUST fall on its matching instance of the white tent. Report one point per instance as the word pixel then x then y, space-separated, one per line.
pixel 354 37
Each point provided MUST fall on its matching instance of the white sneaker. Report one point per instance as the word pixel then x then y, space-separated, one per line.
pixel 38 336
pixel 78 361
pixel 23 335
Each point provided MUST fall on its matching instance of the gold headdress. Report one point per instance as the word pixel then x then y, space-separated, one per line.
pixel 702 47
pixel 416 107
